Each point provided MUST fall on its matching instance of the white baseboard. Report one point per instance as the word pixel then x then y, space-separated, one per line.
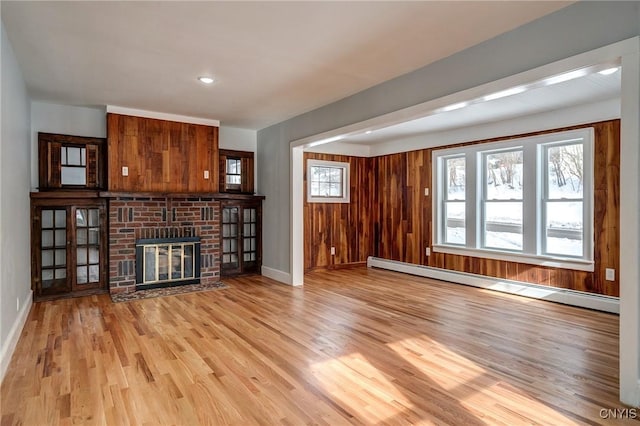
pixel 275 274
pixel 14 335
pixel 559 295
pixel 630 396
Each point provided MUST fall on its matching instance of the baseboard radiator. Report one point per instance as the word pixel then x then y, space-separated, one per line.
pixel 559 295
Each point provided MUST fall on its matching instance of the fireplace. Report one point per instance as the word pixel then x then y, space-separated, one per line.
pixel 166 262
pixel 162 241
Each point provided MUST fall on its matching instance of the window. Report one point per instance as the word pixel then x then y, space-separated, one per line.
pixel 563 200
pixel 71 162
pixel 527 200
pixel 327 182
pixel 234 173
pixel 73 165
pixel 454 201
pixel 502 200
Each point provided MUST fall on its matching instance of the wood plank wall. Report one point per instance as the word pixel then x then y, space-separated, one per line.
pixel 347 227
pixel 162 156
pixel 401 222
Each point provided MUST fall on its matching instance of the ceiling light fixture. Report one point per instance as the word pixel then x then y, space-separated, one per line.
pixel 368 132
pixel 205 80
pixel 454 107
pixel 505 93
pixel 566 77
pixel 609 71
pixel 327 140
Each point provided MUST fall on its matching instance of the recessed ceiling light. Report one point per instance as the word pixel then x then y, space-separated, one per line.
pixel 505 93
pixel 609 71
pixel 205 80
pixel 368 132
pixel 566 77
pixel 454 107
pixel 327 140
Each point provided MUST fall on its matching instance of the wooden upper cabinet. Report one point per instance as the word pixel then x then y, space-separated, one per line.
pixel 70 162
pixel 236 171
pixel 150 155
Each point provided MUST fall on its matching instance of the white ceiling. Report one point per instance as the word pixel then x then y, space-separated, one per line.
pixel 272 60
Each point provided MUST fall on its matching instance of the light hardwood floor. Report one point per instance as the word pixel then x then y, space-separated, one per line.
pixel 353 346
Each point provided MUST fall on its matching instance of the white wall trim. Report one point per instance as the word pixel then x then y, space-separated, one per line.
pixel 559 295
pixel 342 148
pixel 275 274
pixel 297 215
pixel 630 228
pixel 161 115
pixel 9 346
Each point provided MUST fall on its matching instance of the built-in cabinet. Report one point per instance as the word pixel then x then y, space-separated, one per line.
pixel 70 162
pixel 236 171
pixel 69 223
pixel 68 245
pixel 141 157
pixel 241 236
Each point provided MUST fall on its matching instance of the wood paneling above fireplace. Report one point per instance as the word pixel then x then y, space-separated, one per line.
pixel 161 156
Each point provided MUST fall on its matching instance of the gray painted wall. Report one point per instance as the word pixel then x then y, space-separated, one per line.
pixel 241 140
pixel 581 27
pixel 15 223
pixel 237 138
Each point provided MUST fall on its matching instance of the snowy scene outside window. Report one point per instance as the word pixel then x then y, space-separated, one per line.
pixel 328 181
pixel 564 203
pixel 527 200
pixel 503 201
pixel 454 205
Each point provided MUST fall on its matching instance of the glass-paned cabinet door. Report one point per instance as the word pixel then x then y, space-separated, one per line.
pixel 53 250
pixel 88 263
pixel 241 237
pixel 68 247
pixel 249 234
pixel 230 236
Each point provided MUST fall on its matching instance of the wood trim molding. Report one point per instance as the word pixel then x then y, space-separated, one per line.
pixel 161 115
pixel 213 195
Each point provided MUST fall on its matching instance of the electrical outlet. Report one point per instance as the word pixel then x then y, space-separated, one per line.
pixel 610 274
pixel 206 174
pixel 426 192
pixel 125 171
pixel 333 251
pixel 427 251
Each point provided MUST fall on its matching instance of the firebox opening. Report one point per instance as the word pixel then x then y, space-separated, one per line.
pixel 166 262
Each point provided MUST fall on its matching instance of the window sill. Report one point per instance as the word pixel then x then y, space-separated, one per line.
pixel 328 200
pixel 549 261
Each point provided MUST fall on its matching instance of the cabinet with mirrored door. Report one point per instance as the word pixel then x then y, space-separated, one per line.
pixel 241 236
pixel 68 247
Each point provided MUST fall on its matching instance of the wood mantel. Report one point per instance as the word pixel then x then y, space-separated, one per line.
pixel 212 195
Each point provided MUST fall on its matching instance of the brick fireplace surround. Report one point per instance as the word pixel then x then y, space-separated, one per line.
pixel 135 217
